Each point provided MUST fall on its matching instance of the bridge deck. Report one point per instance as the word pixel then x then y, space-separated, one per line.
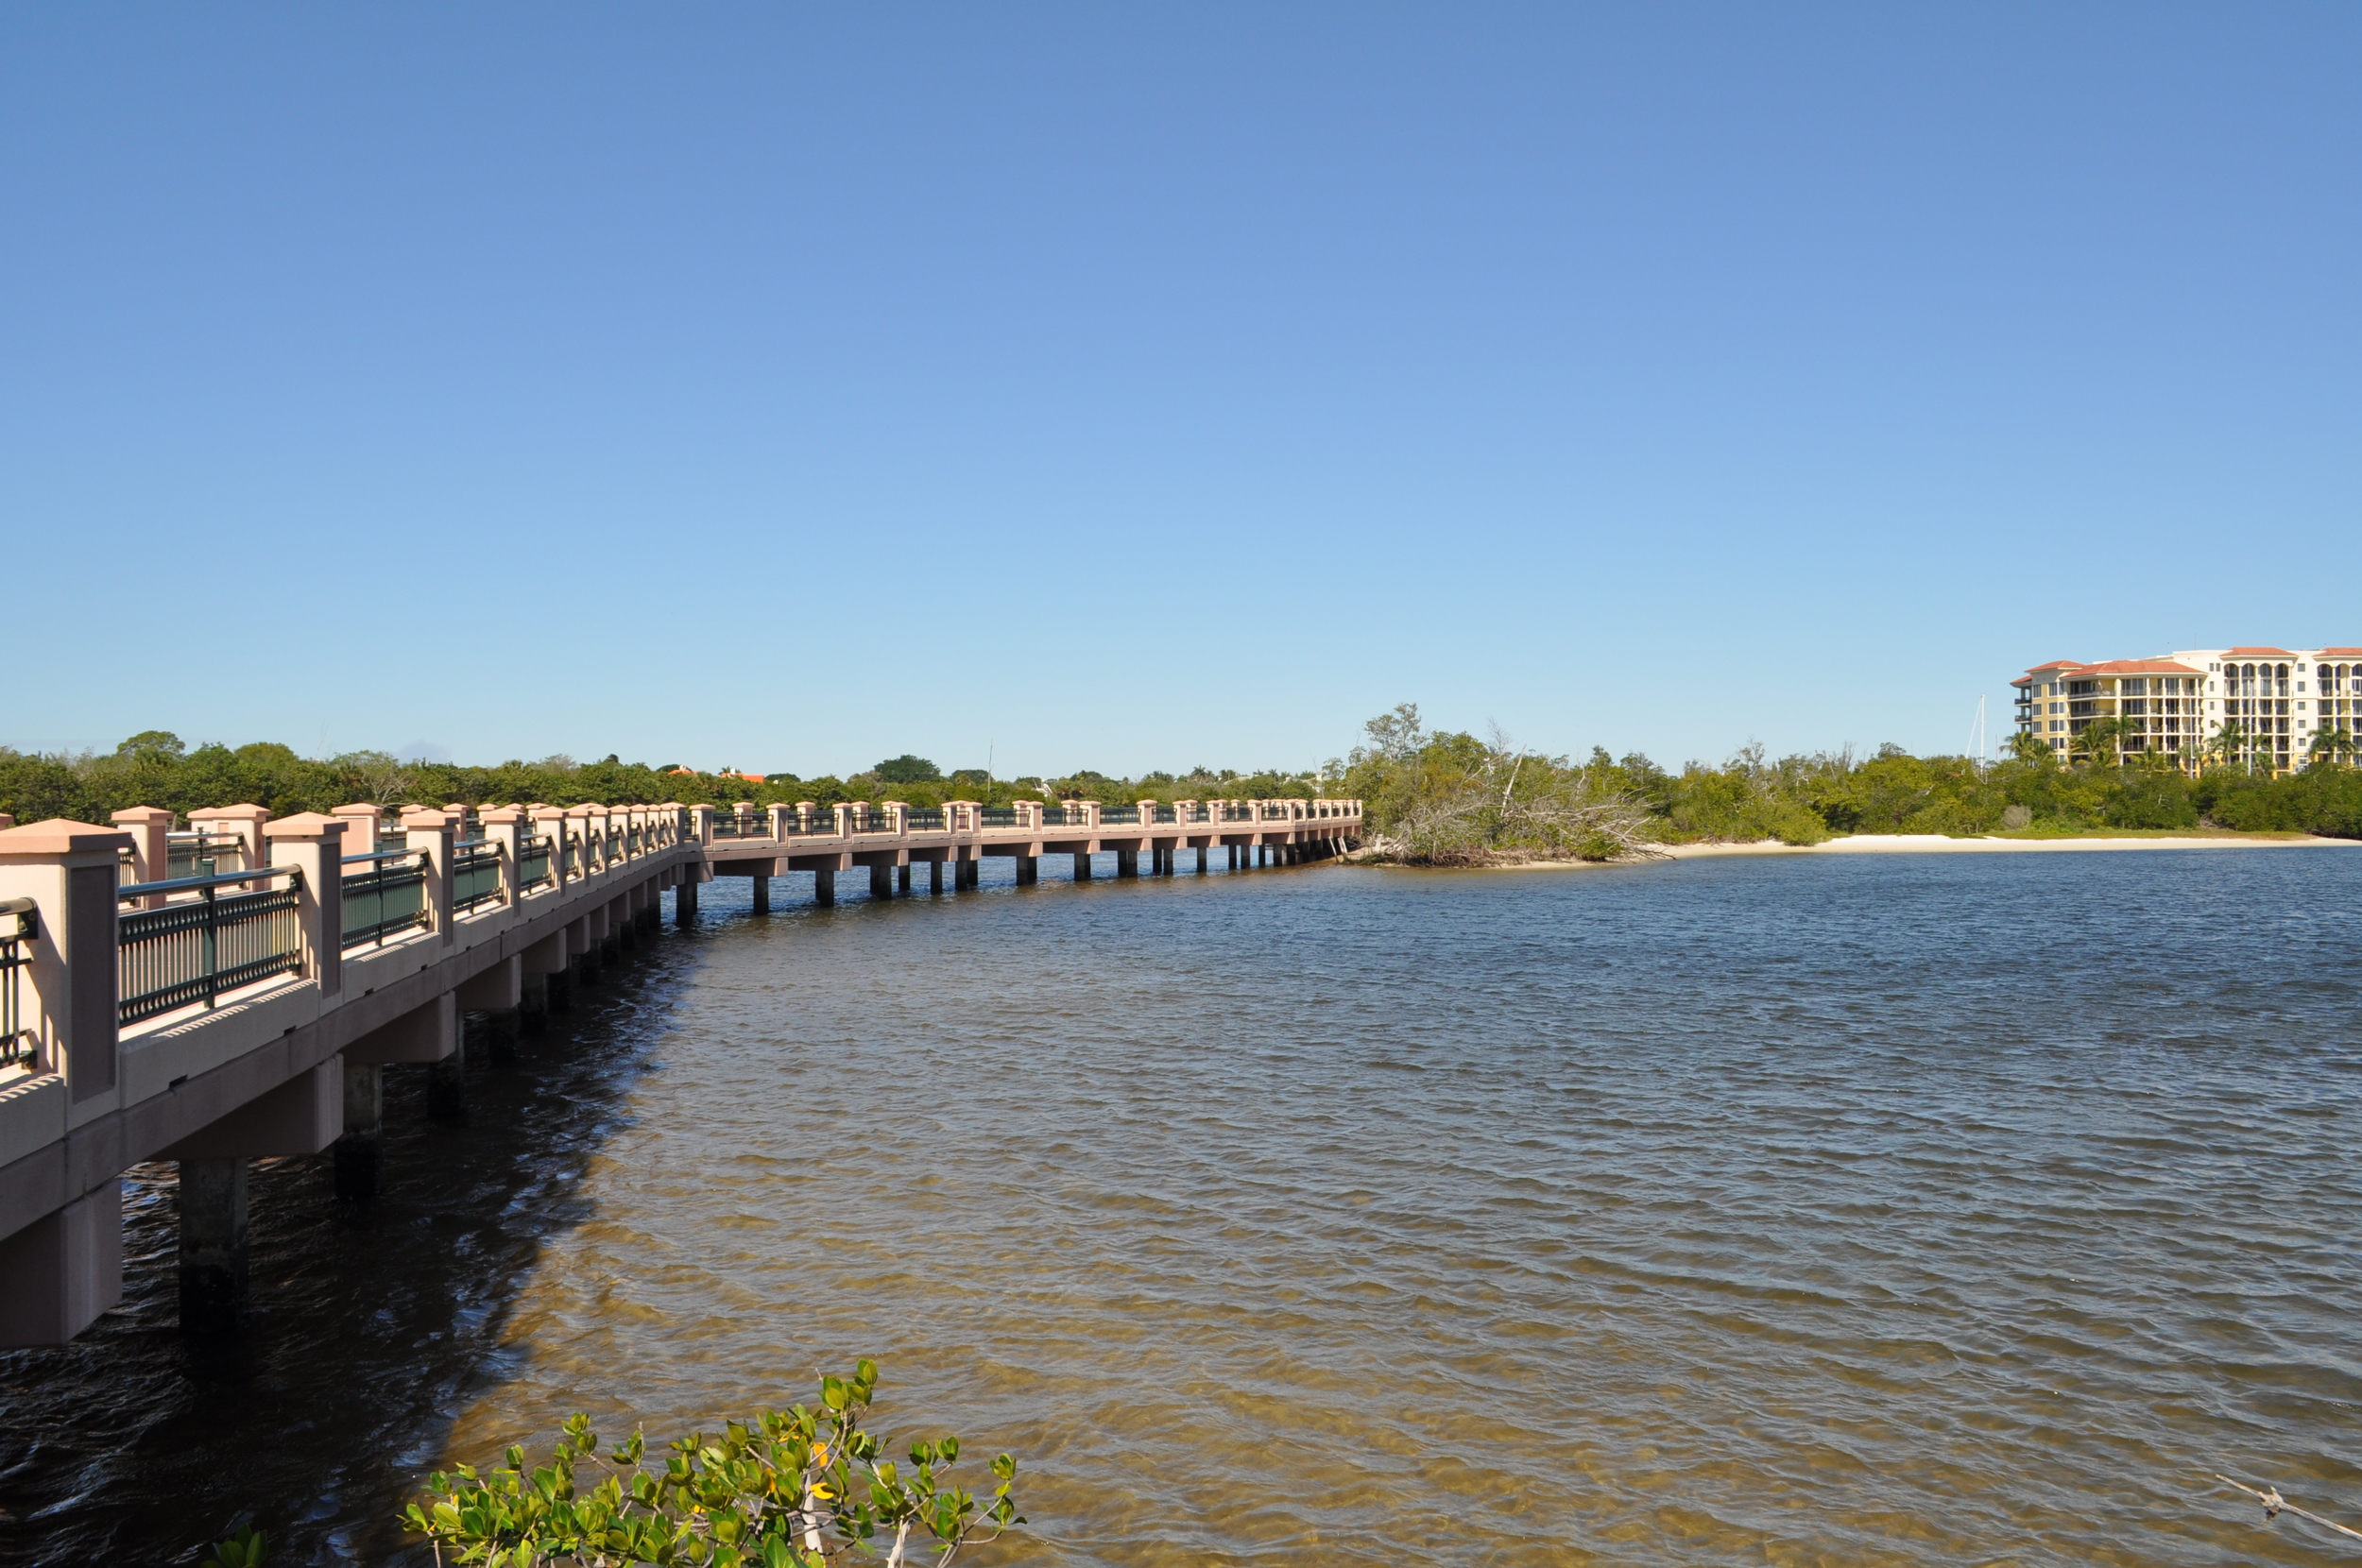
pixel 235 993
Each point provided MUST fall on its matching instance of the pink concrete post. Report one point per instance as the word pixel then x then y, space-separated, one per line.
pixel 242 823
pixel 432 832
pixel 701 825
pixel 68 870
pixel 150 828
pixel 361 824
pixel 313 844
pixel 506 826
pixel 896 816
pixel 782 821
pixel 842 813
pixel 550 823
pixel 580 828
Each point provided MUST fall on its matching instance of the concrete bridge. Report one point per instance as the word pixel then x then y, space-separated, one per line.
pixel 235 990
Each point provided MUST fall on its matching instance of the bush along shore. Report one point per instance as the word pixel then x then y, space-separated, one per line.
pixel 1429 797
pixel 1440 798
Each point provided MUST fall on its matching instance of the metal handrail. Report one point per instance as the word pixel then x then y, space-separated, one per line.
pixel 820 827
pixel 876 822
pixel 469 887
pixel 996 816
pixel 185 884
pixel 355 892
pixel 1119 813
pixel 530 851
pixel 924 819
pixel 17 1043
pixel 172 957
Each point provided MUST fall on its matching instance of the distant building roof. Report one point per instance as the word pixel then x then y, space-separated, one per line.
pixel 2261 653
pixel 2056 664
pixel 2137 667
pixel 2342 653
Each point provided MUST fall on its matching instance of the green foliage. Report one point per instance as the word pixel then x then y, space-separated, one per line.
pixel 154 768
pixel 1408 776
pixel 242 1550
pixel 792 1486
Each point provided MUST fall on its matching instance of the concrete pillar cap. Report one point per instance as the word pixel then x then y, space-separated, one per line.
pixel 141 813
pixel 305 824
pixel 61 836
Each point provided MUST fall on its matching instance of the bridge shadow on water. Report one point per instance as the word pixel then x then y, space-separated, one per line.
pixel 372 1324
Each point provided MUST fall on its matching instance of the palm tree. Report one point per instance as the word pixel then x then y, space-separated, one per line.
pixel 2329 747
pixel 2233 746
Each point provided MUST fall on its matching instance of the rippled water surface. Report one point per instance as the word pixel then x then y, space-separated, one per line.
pixel 1878 1209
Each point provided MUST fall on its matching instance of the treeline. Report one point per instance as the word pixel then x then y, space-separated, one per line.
pixel 1435 796
pixel 1452 798
pixel 155 768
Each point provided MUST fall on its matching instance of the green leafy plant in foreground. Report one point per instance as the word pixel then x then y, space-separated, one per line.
pixel 794 1487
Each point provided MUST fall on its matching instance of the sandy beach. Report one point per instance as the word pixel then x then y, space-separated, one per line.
pixel 1937 844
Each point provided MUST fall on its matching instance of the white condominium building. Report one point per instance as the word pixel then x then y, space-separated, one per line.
pixel 2255 708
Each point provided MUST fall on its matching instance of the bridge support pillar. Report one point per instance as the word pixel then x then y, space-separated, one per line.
pixel 213 1245
pixel 1028 869
pixel 497 993
pixel 880 882
pixel 1082 868
pixel 685 903
pixel 823 886
pixel 902 880
pixel 1263 854
pixel 762 894
pixel 533 1006
pixel 447 1085
pixel 358 1153
pixel 63 1270
pixel 1200 859
pixel 935 876
pixel 1127 862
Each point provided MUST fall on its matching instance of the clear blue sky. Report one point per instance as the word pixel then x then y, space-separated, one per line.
pixel 1129 386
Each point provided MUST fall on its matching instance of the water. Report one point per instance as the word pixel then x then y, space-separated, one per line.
pixel 1910 1209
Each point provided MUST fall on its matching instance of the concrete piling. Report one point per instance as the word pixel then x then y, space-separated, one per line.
pixel 447 1086
pixel 213 1245
pixel 763 894
pixel 824 887
pixel 358 1152
pixel 1082 868
pixel 880 882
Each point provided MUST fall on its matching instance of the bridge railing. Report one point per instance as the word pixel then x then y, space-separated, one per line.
pixel 387 897
pixel 202 854
pixel 475 873
pixel 193 949
pixel 923 819
pixel 1120 816
pixel 20 922
pixel 534 858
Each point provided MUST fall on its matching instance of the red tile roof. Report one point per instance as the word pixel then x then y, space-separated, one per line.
pixel 2261 653
pixel 2342 653
pixel 2137 667
pixel 2055 664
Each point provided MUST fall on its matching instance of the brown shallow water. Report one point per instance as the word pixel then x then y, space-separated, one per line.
pixel 1877 1210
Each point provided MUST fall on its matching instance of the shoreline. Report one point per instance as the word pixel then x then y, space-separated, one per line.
pixel 1938 843
pixel 1918 844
